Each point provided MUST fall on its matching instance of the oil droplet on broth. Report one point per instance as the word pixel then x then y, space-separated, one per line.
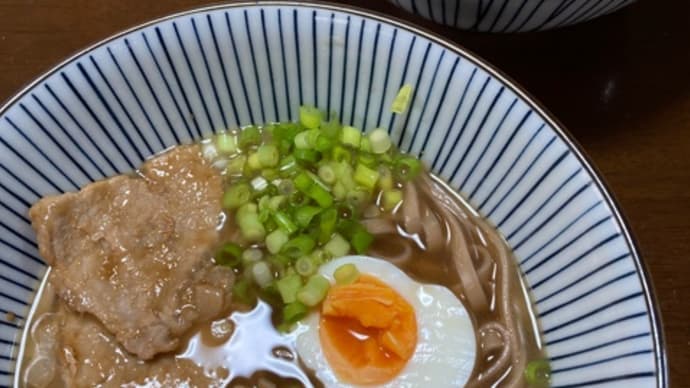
pixel 250 349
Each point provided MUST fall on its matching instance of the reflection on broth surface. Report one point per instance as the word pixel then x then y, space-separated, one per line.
pixel 205 267
pixel 243 344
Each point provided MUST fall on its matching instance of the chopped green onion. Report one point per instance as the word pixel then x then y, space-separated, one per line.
pixel 310 185
pixel 312 137
pixel 351 136
pixel 306 155
pixel 264 212
pixel 302 140
pixel 402 100
pixel 226 143
pixel 229 255
pixel 248 220
pixel 343 170
pixel 327 174
pixel 369 160
pixel 366 176
pixel 348 227
pixel 320 256
pixel 348 180
pixel 242 291
pixel 390 199
pixel 299 246
pixel 253 162
pixel 270 174
pixel 305 266
pixel 249 136
pixel 252 255
pixel 276 239
pixel 270 293
pixel 339 191
pixel 262 274
pixel 323 143
pixel 380 141
pixel 327 223
pixel 236 165
pixel 280 263
pixel 386 158
pixel 361 240
pixel 337 246
pixel 269 128
pixel 331 129
pixel 263 203
pixel 359 237
pixel 294 312
pixel 538 373
pixel 346 274
pixel 270 225
pixel 236 196
pixel 274 203
pixel 286 132
pixel 357 196
pixel 365 145
pixel 303 182
pixel 341 154
pixel 304 214
pixel 297 192
pixel 314 291
pixel 288 287
pixel 407 168
pixel 386 181
pixel 321 196
pixel 284 146
pixel 284 221
pixel 298 199
pixel 310 117
pixel 268 155
pixel 287 165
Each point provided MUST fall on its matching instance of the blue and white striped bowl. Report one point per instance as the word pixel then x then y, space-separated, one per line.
pixel 177 79
pixel 510 15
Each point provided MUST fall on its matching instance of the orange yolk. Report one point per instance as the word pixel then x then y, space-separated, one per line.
pixel 368 331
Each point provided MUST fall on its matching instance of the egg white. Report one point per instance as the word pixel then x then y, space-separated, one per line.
pixel 446 343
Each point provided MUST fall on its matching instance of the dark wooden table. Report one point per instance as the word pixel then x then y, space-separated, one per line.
pixel 620 84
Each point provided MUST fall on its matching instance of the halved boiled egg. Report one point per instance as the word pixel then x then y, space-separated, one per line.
pixel 388 330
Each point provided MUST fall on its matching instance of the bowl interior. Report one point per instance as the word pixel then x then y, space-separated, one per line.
pixel 175 80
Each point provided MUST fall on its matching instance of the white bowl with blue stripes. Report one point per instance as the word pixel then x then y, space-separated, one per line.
pixel 173 80
pixel 510 15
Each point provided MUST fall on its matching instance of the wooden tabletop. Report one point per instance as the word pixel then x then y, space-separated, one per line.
pixel 620 84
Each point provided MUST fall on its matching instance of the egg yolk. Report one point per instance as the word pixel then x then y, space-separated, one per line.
pixel 368 331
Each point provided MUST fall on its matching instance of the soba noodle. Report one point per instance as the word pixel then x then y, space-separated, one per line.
pixel 433 221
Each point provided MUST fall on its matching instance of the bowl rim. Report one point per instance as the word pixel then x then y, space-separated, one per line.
pixel 661 358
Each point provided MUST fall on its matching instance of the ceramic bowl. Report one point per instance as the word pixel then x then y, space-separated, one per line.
pixel 174 80
pixel 510 15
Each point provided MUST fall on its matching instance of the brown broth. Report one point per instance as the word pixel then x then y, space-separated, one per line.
pixel 221 346
pixel 208 350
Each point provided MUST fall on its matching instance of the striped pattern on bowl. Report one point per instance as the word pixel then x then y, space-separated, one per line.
pixel 175 80
pixel 510 15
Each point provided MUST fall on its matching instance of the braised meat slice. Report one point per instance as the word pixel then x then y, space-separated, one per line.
pixel 134 251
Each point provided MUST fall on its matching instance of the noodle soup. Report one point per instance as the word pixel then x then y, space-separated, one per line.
pixel 290 254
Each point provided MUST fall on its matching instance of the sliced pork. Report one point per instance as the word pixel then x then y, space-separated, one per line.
pixel 135 251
